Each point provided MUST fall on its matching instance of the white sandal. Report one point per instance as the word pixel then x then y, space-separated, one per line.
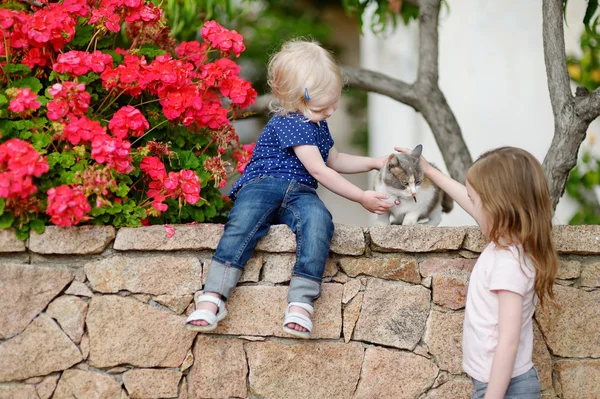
pixel 298 318
pixel 201 314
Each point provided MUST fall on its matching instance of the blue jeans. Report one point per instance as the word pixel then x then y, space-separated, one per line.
pixel 524 386
pixel 260 203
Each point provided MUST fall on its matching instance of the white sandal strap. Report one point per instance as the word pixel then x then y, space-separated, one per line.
pixel 299 319
pixel 205 315
pixel 309 308
pixel 210 298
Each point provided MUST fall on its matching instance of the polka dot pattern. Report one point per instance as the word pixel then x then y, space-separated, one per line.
pixel 274 155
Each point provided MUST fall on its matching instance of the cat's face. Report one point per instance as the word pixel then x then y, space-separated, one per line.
pixel 405 174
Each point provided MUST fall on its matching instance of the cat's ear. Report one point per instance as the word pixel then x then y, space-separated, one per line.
pixel 416 152
pixel 392 160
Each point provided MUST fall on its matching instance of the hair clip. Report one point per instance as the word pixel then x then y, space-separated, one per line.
pixel 306 96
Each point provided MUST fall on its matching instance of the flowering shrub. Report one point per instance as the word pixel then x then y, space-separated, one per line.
pixel 105 120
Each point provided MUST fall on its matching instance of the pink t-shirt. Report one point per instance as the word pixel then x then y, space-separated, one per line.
pixel 497 269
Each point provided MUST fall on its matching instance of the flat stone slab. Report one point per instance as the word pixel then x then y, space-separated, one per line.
pixel 86 384
pixel 416 238
pixel 9 242
pixel 318 370
pixel 579 378
pixel 393 374
pixel 348 240
pixel 444 339
pixel 220 369
pixel 155 275
pixel 39 350
pixel 17 391
pixel 152 383
pixel 389 267
pixel 583 239
pixel 259 310
pixel 126 331
pixel 578 311
pixel 393 314
pixel 154 238
pixel 82 240
pixel 25 291
pixel 450 288
pixel 69 311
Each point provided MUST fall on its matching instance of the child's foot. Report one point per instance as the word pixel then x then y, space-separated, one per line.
pixel 208 306
pixel 294 326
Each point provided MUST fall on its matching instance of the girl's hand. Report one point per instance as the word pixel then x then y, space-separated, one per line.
pixel 375 202
pixel 379 162
pixel 426 166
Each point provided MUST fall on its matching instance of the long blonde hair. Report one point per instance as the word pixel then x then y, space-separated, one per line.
pixel 514 191
pixel 301 67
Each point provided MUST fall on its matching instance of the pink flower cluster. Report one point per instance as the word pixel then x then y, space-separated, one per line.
pixel 184 184
pixel 67 206
pixel 109 13
pixel 69 99
pixel 77 63
pixel 128 121
pixel 23 101
pixel 19 163
pixel 222 39
pixel 243 156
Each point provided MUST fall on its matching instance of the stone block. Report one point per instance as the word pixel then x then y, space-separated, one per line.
pixel 417 238
pixel 9 242
pixel 82 240
pixel 444 339
pixel 403 268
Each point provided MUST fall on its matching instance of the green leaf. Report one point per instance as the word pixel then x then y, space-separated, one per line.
pixel 1 206
pixel 22 234
pixel 123 189
pixel 67 160
pixel 3 100
pixel 89 78
pixel 6 220
pixel 151 50
pixel 18 69
pixel 41 141
pixel 83 35
pixel 37 225
pixel 31 82
pixel 187 160
pixel 589 12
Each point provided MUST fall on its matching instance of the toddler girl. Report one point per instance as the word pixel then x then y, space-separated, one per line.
pixel 507 194
pixel 293 153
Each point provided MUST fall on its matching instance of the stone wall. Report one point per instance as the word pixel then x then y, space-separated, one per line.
pixel 92 312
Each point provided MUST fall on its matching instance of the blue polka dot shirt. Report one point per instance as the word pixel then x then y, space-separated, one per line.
pixel 274 155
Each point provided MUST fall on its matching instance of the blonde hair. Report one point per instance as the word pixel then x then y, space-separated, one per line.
pixel 298 66
pixel 514 191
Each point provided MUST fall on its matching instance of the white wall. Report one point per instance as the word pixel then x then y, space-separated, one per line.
pixel 493 75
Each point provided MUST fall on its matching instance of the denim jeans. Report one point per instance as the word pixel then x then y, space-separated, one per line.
pixel 260 203
pixel 524 386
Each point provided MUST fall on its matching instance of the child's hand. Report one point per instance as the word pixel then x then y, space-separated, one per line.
pixel 379 162
pixel 426 166
pixel 375 202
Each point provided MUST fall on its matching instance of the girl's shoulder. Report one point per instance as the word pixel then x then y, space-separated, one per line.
pixel 291 122
pixel 513 257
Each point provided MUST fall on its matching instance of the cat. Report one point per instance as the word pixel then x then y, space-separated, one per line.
pixel 418 199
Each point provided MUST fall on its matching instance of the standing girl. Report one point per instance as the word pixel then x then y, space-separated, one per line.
pixel 293 153
pixel 507 194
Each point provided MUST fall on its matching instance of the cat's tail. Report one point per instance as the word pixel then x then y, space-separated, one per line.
pixel 447 203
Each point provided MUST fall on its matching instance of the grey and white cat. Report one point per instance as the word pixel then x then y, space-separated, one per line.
pixel 417 198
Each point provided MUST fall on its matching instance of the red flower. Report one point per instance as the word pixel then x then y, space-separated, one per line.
pixel 190 186
pixel 24 100
pixel 69 98
pixel 194 52
pixel 113 152
pixel 222 39
pixel 79 63
pixel 67 206
pixel 19 161
pixel 240 92
pixel 154 168
pixel 82 130
pixel 243 156
pixel 128 119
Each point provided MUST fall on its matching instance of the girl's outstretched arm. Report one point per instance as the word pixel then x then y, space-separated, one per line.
pixel 456 190
pixel 509 332
pixel 311 158
pixel 346 163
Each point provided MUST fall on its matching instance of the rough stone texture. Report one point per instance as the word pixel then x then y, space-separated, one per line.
pixel 39 350
pixel 579 378
pixel 393 374
pixel 69 311
pixel 87 384
pixel 73 241
pixel 437 264
pixel 416 238
pixel 579 311
pixel 84 346
pixel 391 268
pixel 25 291
pixel 251 270
pixel 542 358
pixel 259 310
pixel 280 370
pixel 152 383
pixel 177 304
pixel 79 289
pixel 46 388
pixel 156 275
pixel 17 391
pixel 351 288
pixel 474 240
pixel 583 239
pixel 351 313
pixel 450 288
pixel 444 339
pixel 154 238
pixel 187 362
pixel 590 275
pixel 459 388
pixel 9 242
pixel 125 331
pixel 220 370
pixel 348 240
pixel 568 269
pixel 393 314
pixel 279 239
